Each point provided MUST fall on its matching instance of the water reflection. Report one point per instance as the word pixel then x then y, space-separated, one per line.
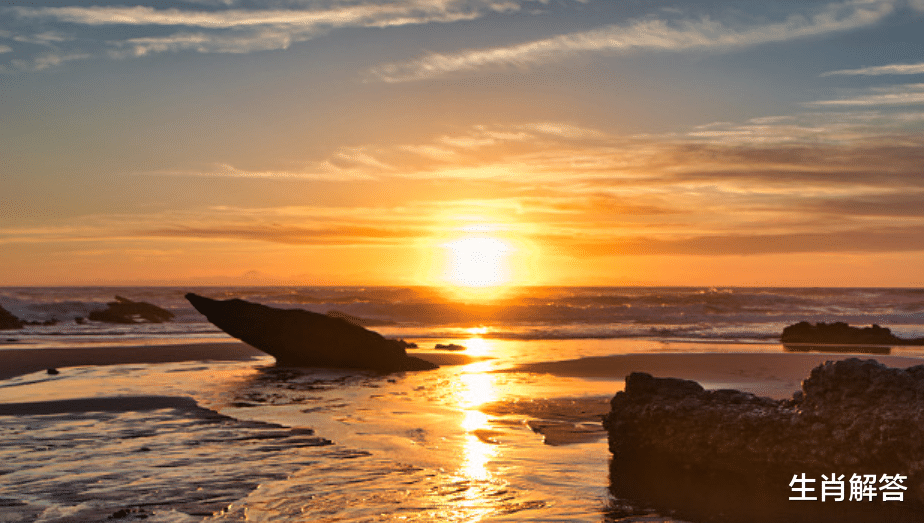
pixel 477 388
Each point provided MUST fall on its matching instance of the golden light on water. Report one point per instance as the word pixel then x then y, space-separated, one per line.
pixel 477 388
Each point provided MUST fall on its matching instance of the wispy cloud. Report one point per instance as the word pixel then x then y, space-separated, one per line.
pixel 224 29
pixel 401 13
pixel 906 94
pixel 42 61
pixel 880 70
pixel 317 171
pixel 644 34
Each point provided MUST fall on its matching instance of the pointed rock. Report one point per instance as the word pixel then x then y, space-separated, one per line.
pixel 301 338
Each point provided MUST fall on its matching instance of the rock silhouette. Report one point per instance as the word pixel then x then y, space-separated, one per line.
pixel 8 321
pixel 124 310
pixel 705 453
pixel 842 334
pixel 301 338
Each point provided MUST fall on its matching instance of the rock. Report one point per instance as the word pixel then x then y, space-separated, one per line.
pixel 840 333
pixel 53 371
pixel 124 310
pixel 448 346
pixel 301 338
pixel 726 455
pixel 8 321
pixel 356 320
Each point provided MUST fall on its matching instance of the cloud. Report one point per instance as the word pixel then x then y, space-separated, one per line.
pixel 342 16
pixel 319 171
pixel 643 34
pixel 237 30
pixel 863 240
pixel 42 61
pixel 906 94
pixel 880 70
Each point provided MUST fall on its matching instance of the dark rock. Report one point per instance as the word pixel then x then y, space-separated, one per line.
pixel 134 512
pixel 301 338
pixel 356 320
pixel 840 333
pixel 124 310
pixel 448 346
pixel 53 372
pixel 8 321
pixel 730 456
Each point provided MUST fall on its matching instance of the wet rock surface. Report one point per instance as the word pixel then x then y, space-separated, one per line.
pixel 300 338
pixel 726 455
pixel 124 310
pixel 840 333
pixel 8 321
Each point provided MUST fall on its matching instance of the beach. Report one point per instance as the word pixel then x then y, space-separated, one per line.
pixel 177 421
pixel 484 437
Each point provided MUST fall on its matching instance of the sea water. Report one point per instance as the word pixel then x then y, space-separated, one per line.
pixel 459 443
pixel 710 314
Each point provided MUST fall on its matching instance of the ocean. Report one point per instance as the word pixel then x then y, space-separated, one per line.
pixel 248 441
pixel 747 315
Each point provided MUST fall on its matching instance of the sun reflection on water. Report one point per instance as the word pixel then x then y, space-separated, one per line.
pixel 477 388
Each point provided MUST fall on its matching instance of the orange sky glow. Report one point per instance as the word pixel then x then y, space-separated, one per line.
pixel 468 143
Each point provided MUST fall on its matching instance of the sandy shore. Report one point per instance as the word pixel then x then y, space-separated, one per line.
pixel 16 362
pixel 776 375
pixel 773 375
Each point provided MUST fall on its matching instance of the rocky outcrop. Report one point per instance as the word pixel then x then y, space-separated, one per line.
pixel 302 338
pixel 8 321
pixel 124 310
pixel 840 333
pixel 726 455
pixel 356 320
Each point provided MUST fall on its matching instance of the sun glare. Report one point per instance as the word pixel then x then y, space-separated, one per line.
pixel 478 262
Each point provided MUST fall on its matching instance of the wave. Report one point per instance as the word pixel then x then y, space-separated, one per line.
pixel 526 313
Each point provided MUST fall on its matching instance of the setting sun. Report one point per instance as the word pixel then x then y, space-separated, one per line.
pixel 478 262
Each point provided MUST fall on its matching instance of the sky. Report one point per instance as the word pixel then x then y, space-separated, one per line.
pixel 351 142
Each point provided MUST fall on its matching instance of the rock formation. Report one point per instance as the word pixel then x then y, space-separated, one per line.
pixel 8 321
pixel 840 333
pixel 301 338
pixel 124 310
pixel 356 320
pixel 730 456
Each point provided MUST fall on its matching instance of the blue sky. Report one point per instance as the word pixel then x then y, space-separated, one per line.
pixel 637 142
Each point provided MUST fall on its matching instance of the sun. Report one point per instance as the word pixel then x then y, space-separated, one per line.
pixel 478 261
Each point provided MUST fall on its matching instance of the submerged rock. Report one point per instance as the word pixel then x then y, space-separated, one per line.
pixel 301 338
pixel 726 455
pixel 841 333
pixel 8 321
pixel 124 310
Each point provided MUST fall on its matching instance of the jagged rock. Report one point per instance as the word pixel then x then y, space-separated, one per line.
pixel 8 321
pixel 124 310
pixel 730 456
pixel 301 338
pixel 448 346
pixel 356 320
pixel 841 333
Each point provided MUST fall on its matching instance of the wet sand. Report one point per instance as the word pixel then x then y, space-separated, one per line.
pixel 773 375
pixel 16 362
